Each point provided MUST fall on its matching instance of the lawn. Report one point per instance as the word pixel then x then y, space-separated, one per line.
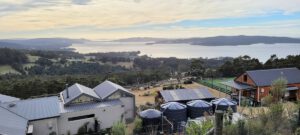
pixel 28 65
pixel 216 83
pixel 32 58
pixel 4 69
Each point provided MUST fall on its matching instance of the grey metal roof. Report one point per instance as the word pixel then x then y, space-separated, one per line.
pixel 199 103
pixel 5 98
pixel 292 88
pixel 150 113
pixel 11 123
pixel 106 88
pixel 88 106
pixel 223 101
pixel 186 94
pixel 237 85
pixel 266 77
pixel 33 109
pixel 76 91
pixel 172 106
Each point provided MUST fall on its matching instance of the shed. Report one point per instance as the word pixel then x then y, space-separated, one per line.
pixel 185 95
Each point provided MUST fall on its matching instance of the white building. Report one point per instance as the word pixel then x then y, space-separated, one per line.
pixel 77 105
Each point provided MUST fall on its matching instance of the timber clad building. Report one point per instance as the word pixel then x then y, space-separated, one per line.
pixel 256 84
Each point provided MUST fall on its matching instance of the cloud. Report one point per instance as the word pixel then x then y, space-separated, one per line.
pixel 81 2
pixel 132 16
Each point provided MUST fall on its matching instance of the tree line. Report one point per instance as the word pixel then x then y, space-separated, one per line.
pixel 241 64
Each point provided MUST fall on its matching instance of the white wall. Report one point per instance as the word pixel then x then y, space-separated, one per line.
pixel 106 115
pixel 129 107
pixel 43 127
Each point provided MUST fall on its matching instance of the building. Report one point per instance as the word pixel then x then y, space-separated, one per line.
pixel 5 98
pixel 77 105
pixel 11 123
pixel 184 95
pixel 256 84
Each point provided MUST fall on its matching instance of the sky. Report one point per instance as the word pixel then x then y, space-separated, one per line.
pixel 113 19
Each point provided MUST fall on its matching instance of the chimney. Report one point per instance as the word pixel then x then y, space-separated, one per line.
pixel 67 90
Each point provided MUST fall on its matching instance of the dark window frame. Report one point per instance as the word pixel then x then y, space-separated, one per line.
pixel 81 117
pixel 245 78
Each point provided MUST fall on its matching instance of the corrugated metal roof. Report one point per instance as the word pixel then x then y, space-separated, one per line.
pixel 33 109
pixel 237 85
pixel 5 98
pixel 186 94
pixel 266 77
pixel 292 88
pixel 88 106
pixel 11 123
pixel 172 106
pixel 223 101
pixel 150 113
pixel 76 91
pixel 106 88
pixel 199 103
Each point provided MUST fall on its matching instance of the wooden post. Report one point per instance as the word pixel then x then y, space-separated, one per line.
pixel 218 122
pixel 240 93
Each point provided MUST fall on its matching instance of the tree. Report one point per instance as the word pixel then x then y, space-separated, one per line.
pixel 118 128
pixel 197 69
pixel 278 88
pixel 44 62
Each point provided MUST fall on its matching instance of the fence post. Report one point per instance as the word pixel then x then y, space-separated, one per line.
pixel 218 122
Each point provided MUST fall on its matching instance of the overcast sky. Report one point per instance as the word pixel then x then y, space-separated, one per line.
pixel 110 19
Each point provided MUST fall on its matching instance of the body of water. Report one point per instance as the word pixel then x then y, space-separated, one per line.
pixel 260 51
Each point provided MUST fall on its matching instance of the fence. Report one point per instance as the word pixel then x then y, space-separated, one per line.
pixel 215 86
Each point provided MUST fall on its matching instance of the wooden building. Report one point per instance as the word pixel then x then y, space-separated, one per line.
pixel 256 84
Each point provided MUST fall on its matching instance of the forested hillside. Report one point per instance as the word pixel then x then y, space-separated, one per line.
pixel 46 72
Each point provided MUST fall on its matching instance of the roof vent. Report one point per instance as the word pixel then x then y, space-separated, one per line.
pixel 11 105
pixel 67 90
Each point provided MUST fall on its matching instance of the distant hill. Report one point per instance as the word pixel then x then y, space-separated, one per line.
pixel 40 43
pixel 140 39
pixel 225 40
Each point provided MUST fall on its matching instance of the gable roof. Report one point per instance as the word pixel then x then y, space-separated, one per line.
pixel 107 88
pixel 34 109
pixel 75 91
pixel 11 123
pixel 5 98
pixel 186 94
pixel 266 77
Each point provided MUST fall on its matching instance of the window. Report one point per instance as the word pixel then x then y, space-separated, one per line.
pixel 81 117
pixel 245 78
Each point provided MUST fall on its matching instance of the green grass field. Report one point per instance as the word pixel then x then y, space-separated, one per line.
pixel 7 69
pixel 29 65
pixel 32 59
pixel 216 83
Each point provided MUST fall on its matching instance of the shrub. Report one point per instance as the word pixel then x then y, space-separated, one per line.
pixel 118 129
pixel 199 129
pixel 83 129
pixel 267 100
pixel 137 125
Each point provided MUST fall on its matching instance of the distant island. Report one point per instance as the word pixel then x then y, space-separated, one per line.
pixel 40 43
pixel 216 41
pixel 62 44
